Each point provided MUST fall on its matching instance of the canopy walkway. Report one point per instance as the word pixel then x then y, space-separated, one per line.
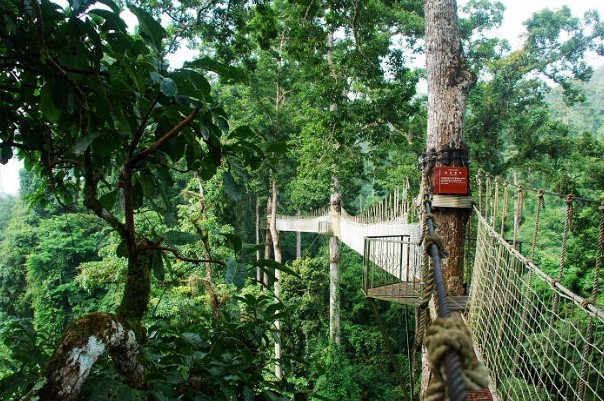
pixel 538 339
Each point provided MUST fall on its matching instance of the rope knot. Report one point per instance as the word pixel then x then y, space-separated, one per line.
pixel 446 335
pixel 586 303
pixel 430 216
pixel 540 198
pixel 434 239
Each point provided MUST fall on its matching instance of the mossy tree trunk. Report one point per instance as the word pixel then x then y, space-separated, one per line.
pixel 83 343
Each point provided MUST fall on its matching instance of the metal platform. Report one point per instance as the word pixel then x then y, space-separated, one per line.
pixel 410 294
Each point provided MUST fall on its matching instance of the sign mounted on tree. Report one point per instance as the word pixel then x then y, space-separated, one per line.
pixel 451 180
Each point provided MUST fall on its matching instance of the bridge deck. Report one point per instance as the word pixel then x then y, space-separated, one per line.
pixel 409 293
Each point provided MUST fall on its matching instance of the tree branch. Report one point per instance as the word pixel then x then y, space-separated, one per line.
pixel 135 159
pixel 141 129
pixel 179 256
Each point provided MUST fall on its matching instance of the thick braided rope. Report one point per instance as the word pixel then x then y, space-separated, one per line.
pixel 496 202
pixel 479 185
pixel 429 285
pixel 445 335
pixel 428 273
pixel 504 212
pixel 592 299
pixel 518 213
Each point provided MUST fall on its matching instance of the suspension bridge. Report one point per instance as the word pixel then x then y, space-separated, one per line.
pixel 537 338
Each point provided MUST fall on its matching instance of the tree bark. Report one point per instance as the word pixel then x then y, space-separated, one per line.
pixel 84 342
pixel 277 289
pixel 449 81
pixel 334 276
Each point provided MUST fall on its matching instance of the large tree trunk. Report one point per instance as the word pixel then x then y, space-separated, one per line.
pixel 279 259
pixel 205 243
pixel 135 300
pixel 334 276
pixel 449 81
pixel 84 342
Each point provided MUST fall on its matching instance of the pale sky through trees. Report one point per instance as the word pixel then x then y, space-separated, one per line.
pixel 516 12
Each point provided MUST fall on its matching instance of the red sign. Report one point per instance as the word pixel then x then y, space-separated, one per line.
pixel 451 180
pixel 480 395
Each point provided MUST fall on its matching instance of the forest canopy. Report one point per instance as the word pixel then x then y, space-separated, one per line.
pixel 141 216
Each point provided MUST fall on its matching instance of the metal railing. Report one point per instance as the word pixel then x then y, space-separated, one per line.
pixel 390 261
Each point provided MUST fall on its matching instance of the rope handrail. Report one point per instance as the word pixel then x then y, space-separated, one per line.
pixel 452 359
pixel 538 338
pixel 555 284
pixel 479 174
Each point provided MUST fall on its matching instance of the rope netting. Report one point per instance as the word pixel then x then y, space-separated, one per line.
pixel 539 329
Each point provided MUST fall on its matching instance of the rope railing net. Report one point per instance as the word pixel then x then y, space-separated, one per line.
pixel 538 339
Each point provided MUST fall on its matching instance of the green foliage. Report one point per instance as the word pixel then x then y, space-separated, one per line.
pixel 356 370
pixel 205 358
pixel 21 366
pixel 339 381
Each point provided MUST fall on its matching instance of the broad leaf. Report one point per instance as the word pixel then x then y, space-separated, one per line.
pixel 277 266
pixel 168 87
pixel 158 266
pixel 150 29
pixel 235 273
pixel 47 106
pixel 231 187
pixel 225 71
pixel 234 240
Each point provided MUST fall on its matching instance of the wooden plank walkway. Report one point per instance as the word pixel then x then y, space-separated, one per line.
pixel 410 294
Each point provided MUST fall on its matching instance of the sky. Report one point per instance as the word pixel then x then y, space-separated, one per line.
pixel 516 12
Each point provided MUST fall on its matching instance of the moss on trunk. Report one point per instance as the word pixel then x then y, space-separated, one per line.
pixel 83 343
pixel 135 300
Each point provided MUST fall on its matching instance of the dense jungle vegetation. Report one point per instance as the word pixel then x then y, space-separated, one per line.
pixel 143 184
